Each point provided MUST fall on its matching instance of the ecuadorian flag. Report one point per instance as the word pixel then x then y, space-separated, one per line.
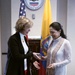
pixel 47 20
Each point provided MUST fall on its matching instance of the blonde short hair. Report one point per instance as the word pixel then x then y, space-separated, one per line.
pixel 22 24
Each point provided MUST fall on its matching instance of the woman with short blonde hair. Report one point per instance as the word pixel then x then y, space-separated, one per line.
pixel 19 54
pixel 22 24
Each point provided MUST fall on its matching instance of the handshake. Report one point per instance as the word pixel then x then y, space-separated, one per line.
pixel 39 56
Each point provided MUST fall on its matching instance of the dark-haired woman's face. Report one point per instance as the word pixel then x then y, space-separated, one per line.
pixel 54 33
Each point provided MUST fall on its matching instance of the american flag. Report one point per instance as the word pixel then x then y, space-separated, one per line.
pixel 22 11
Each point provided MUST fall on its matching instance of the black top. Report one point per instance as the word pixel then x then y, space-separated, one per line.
pixel 16 56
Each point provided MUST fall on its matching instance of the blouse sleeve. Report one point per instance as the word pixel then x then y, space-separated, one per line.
pixel 67 54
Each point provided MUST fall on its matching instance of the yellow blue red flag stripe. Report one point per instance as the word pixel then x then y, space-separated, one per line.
pixel 47 20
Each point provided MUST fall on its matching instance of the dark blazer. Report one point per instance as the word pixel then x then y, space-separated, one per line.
pixel 16 56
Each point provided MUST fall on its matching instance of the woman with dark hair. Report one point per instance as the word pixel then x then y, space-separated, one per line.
pixel 59 51
pixel 57 26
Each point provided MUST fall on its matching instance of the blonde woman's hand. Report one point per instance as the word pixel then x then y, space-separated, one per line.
pixel 37 55
pixel 36 64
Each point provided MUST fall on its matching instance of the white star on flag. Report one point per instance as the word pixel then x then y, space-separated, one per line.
pixel 22 11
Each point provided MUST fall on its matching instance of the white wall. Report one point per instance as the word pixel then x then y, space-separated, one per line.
pixel 0 52
pixel 70 33
pixel 0 43
pixel 62 13
pixel 5 31
pixel 54 9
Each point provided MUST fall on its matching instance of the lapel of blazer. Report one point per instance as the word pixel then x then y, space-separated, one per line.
pixel 19 40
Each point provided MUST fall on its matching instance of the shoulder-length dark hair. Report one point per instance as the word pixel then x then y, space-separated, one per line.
pixel 57 26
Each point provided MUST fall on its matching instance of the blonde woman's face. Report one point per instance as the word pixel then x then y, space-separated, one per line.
pixel 26 31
